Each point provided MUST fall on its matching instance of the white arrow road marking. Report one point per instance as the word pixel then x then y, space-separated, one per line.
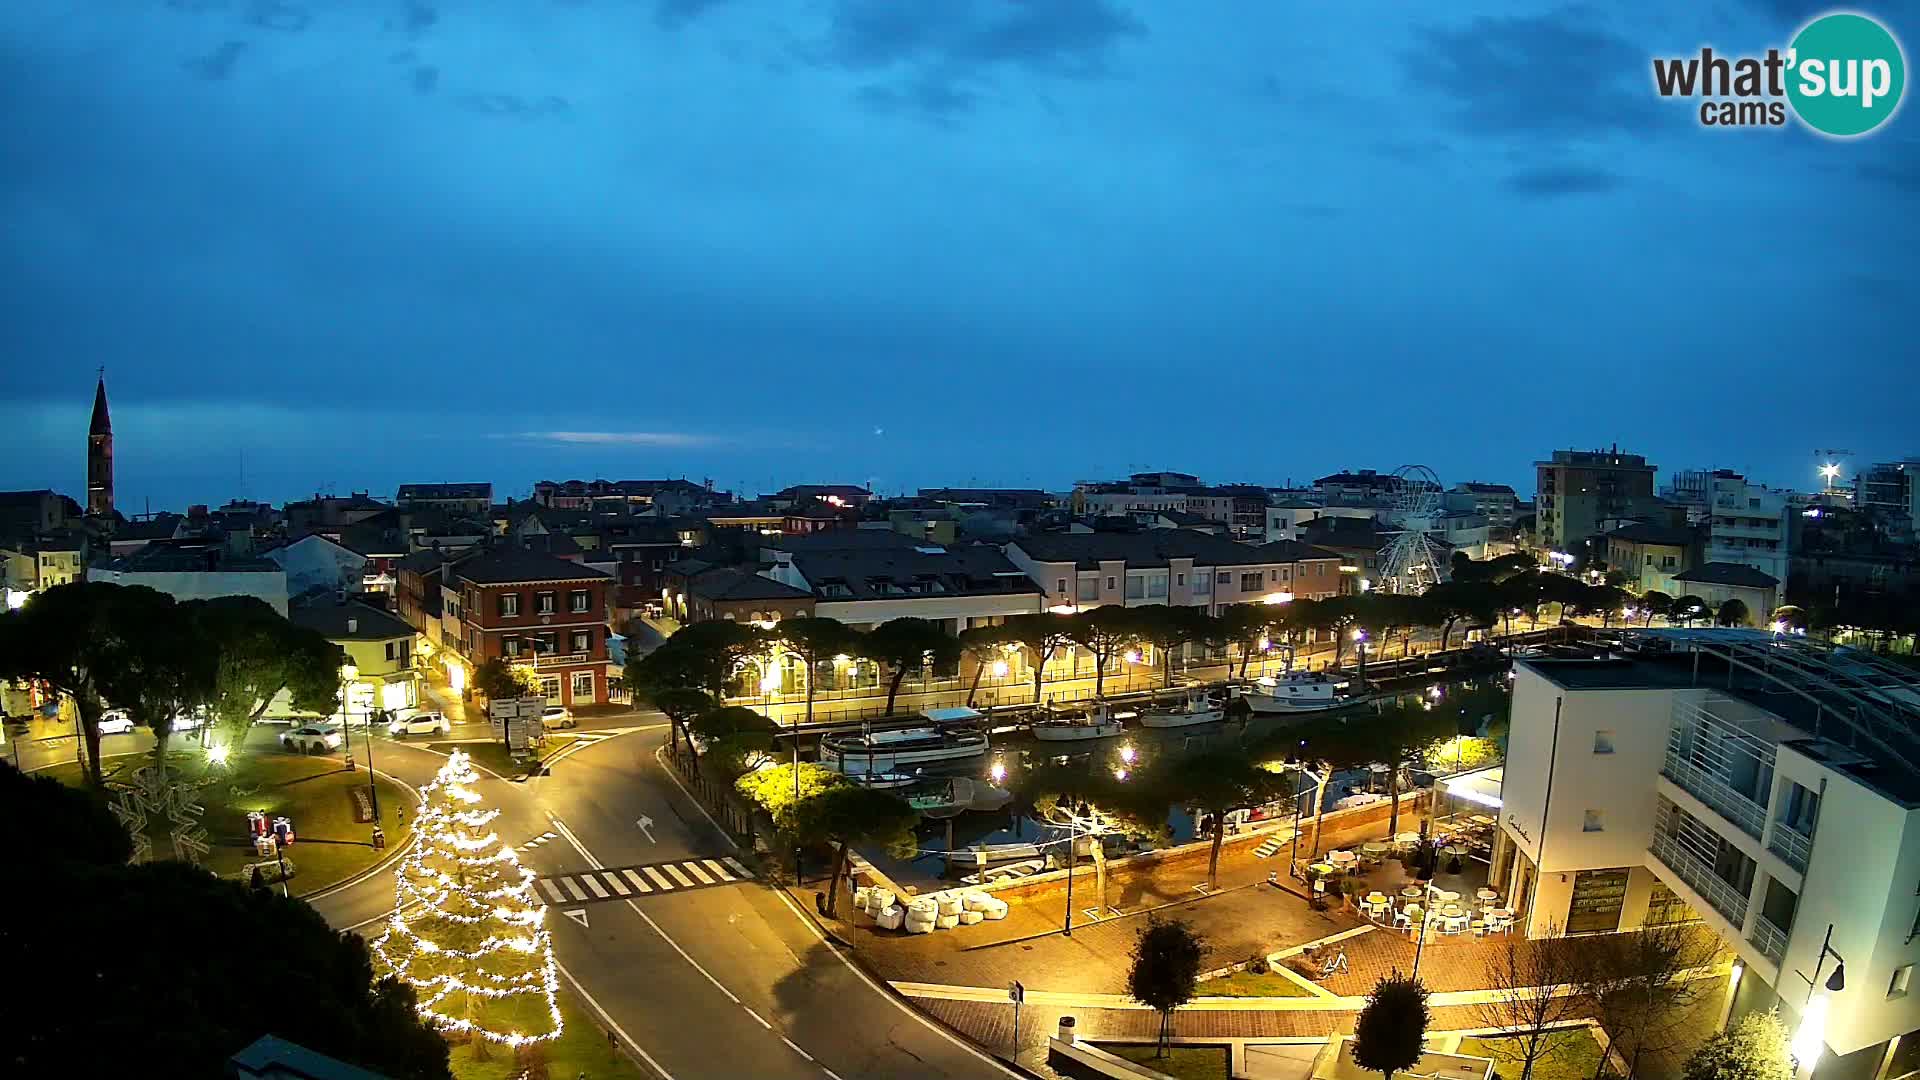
pixel 578 915
pixel 646 826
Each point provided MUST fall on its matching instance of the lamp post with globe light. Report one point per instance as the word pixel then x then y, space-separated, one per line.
pixel 1810 1040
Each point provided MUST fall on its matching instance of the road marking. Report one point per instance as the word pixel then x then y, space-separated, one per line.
pixel 677 875
pixel 573 888
pixel 897 1002
pixel 610 1022
pixel 719 871
pixel 593 883
pixel 553 891
pixel 795 1047
pixel 644 917
pixel 694 869
pixel 646 826
pixel 757 1016
pixel 658 879
pixel 735 863
pixel 830 1072
pixel 638 882
pixel 618 885
pixel 578 915
pixel 659 757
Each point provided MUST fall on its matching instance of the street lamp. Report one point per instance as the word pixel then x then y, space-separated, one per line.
pixel 1810 1040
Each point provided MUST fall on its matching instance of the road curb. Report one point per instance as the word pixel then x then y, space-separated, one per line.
pixel 413 837
pixel 851 956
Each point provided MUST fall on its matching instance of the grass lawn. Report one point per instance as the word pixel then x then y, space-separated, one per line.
pixel 1246 984
pixel 1184 1062
pixel 494 755
pixel 314 791
pixel 1573 1054
pixel 581 1049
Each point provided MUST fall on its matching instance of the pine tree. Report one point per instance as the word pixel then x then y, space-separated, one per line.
pixel 467 931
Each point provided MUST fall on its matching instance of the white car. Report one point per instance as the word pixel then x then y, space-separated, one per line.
pixel 187 721
pixel 556 716
pixel 312 739
pixel 426 723
pixel 115 722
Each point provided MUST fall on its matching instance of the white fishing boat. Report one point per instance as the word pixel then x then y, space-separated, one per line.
pixel 1099 722
pixel 995 854
pixel 1300 691
pixel 1195 709
pixel 945 797
pixel 886 781
pixel 900 748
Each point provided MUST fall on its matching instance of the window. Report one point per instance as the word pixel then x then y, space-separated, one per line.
pixel 582 686
pixel 1223 578
pixel 1136 586
pixel 1089 588
pixel 1598 897
pixel 1179 579
pixel 1250 582
pixel 578 602
pixel 1902 976
pixel 510 646
pixel 1603 741
pixel 582 641
pixel 543 603
pixel 550 688
pixel 1109 584
pixel 392 646
pixel 509 605
pixel 1060 586
pixel 1203 584
pixel 1591 822
pixel 1157 586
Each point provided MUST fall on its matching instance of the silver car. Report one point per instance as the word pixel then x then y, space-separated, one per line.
pixel 312 739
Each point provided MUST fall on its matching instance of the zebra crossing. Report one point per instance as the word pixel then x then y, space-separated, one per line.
pixel 538 840
pixel 626 882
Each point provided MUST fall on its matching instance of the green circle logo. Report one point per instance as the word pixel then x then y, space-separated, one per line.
pixel 1847 74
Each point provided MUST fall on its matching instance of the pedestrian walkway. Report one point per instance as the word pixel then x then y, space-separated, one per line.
pixel 538 840
pixel 624 882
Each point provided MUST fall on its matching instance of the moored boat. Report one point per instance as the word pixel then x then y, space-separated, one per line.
pixel 891 751
pixel 886 781
pixel 1099 722
pixel 1300 691
pixel 1195 709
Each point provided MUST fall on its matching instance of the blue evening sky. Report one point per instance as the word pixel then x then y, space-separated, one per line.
pixel 351 243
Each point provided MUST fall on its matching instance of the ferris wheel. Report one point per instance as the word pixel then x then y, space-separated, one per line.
pixel 1412 562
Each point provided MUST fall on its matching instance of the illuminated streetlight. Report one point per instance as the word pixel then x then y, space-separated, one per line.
pixel 1133 656
pixel 1000 669
pixel 1359 634
pixel 218 755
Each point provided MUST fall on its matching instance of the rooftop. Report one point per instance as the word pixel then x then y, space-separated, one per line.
pixel 1646 533
pixel 445 491
pixel 1720 573
pixel 1851 710
pixel 508 566
pixel 732 583
pixel 347 620
pixel 926 570
pixel 1139 549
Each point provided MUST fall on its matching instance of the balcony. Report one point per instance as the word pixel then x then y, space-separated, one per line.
pixel 1729 901
pixel 1791 845
pixel 1750 817
pixel 1769 939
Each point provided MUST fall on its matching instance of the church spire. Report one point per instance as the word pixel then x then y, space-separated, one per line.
pixel 102 424
pixel 100 457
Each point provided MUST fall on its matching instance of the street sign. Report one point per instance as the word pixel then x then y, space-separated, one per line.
pixel 516 721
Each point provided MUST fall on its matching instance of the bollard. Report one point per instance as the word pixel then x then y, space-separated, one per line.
pixel 1066 1030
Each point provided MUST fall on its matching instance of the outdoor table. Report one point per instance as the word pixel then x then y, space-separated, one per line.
pixel 1376 897
pixel 1340 858
pixel 1374 848
pixel 1452 910
pixel 1412 892
pixel 1486 894
pixel 1457 849
pixel 1446 896
pixel 1321 868
pixel 1406 838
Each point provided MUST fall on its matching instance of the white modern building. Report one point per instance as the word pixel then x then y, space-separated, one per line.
pixel 1747 524
pixel 1767 785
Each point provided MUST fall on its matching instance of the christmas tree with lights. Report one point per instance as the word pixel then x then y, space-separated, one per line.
pixel 467 932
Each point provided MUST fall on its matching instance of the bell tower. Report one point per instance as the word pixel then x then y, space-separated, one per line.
pixel 100 456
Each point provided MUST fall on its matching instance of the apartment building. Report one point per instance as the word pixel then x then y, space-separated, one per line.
pixel 1768 786
pixel 1579 489
pixel 1179 567
pixel 474 500
pixel 380 649
pixel 1748 524
pixel 536 611
pixel 1650 555
pixel 864 577
pixel 1889 491
pixel 1498 502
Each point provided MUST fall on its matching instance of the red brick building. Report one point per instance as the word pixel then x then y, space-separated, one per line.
pixel 542 613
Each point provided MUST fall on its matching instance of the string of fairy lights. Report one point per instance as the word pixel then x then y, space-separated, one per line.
pixel 460 875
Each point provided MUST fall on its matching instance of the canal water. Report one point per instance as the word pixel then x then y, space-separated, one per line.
pixel 1479 705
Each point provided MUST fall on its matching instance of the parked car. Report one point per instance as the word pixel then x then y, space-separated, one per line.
pixel 115 722
pixel 556 716
pixel 426 723
pixel 312 739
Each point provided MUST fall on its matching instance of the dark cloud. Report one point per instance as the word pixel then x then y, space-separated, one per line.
pixel 218 64
pixel 674 14
pixel 424 79
pixel 1555 75
pixel 279 15
pixel 419 16
pixel 948 46
pixel 1556 181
